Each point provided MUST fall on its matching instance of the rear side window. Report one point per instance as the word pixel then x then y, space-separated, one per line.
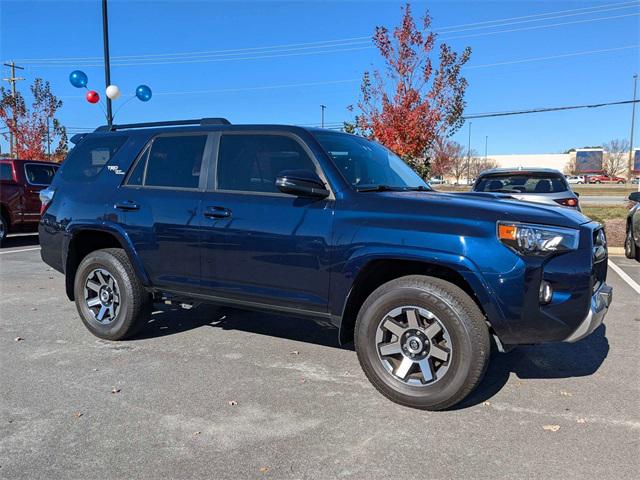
pixel 38 174
pixel 521 183
pixel 87 159
pixel 170 161
pixel 250 163
pixel 6 172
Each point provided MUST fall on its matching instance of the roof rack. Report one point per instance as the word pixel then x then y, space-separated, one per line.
pixel 172 123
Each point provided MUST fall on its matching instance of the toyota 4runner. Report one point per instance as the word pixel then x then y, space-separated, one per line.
pixel 321 224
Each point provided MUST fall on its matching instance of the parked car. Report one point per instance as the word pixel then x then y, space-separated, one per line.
pixel 21 182
pixel 632 237
pixel 319 224
pixel 575 179
pixel 436 181
pixel 606 179
pixel 540 185
pixel 635 180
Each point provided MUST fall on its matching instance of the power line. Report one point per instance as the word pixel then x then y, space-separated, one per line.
pixel 551 57
pixel 597 9
pixel 548 109
pixel 542 26
pixel 266 51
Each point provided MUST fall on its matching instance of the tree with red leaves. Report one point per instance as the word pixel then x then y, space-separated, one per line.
pixel 412 102
pixel 447 158
pixel 34 127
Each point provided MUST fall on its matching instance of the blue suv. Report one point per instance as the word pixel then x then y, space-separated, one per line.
pixel 321 224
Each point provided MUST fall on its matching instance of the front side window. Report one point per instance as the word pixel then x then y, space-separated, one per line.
pixel 38 174
pixel 522 183
pixel 171 161
pixel 87 159
pixel 251 163
pixel 365 164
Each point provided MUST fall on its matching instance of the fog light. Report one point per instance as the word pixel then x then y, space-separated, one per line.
pixel 546 292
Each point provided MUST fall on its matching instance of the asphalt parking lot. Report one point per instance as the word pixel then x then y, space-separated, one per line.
pixel 221 393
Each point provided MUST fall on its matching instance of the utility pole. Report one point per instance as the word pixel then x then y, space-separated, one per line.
pixel 48 141
pixel 486 143
pixel 633 121
pixel 107 65
pixel 12 80
pixel 322 108
pixel 469 156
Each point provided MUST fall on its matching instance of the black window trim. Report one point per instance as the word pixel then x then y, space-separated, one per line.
pixel 144 154
pixel 26 176
pixel 213 184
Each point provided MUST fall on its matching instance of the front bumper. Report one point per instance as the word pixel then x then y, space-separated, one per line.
pixel 600 302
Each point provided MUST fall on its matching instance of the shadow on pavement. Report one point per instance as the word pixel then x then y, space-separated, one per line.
pixel 174 319
pixel 554 360
pixel 21 240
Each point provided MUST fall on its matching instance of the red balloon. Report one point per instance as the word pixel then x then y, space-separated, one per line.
pixel 92 96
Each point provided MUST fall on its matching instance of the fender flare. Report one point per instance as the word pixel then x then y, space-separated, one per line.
pixel 103 227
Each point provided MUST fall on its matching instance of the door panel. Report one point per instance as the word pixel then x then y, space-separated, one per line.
pixel 164 228
pixel 271 249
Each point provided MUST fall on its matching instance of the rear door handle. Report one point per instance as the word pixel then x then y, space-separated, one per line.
pixel 217 212
pixel 127 205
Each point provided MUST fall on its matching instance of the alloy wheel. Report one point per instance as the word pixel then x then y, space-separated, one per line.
pixel 414 346
pixel 102 296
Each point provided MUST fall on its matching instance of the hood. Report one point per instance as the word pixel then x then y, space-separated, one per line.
pixel 490 206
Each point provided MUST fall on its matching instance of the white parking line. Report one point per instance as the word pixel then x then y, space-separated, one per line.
pixel 623 275
pixel 21 250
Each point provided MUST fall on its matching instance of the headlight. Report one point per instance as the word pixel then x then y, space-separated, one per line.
pixel 531 239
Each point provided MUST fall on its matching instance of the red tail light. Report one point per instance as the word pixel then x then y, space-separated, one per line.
pixel 568 202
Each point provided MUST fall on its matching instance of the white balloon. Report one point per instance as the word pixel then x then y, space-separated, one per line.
pixel 113 92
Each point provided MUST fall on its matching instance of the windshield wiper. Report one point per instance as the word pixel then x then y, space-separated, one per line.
pixel 376 188
pixel 420 188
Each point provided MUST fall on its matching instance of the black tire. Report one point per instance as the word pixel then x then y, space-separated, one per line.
pixel 629 244
pixel 134 302
pixel 4 226
pixel 470 347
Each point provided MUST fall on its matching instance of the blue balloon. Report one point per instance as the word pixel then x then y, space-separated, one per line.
pixel 143 93
pixel 78 79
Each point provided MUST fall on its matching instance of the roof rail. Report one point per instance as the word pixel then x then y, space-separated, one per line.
pixel 171 123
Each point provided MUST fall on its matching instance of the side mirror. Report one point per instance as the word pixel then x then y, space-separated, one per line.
pixel 577 194
pixel 302 183
pixel 635 197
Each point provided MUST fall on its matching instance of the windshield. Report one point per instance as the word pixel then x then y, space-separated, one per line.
pixel 366 164
pixel 521 183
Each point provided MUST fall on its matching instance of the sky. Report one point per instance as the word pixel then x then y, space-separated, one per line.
pixel 277 62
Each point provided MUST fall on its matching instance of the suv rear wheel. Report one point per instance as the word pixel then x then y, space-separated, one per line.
pixel 422 342
pixel 111 301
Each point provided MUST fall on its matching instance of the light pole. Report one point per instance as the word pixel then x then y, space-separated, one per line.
pixel 107 65
pixel 469 156
pixel 486 143
pixel 322 108
pixel 633 121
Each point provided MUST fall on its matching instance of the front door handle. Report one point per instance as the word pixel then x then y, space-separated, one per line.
pixel 217 212
pixel 127 205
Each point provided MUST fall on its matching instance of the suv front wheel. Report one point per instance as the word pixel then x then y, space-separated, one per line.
pixel 111 301
pixel 422 342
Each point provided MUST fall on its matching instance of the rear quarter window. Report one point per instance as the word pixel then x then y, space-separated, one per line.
pixel 38 174
pixel 87 159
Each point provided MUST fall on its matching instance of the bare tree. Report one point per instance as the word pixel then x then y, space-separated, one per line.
pixel 480 164
pixel 447 158
pixel 615 158
pixel 570 167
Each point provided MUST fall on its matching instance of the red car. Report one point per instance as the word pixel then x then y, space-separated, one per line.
pixel 20 185
pixel 606 179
